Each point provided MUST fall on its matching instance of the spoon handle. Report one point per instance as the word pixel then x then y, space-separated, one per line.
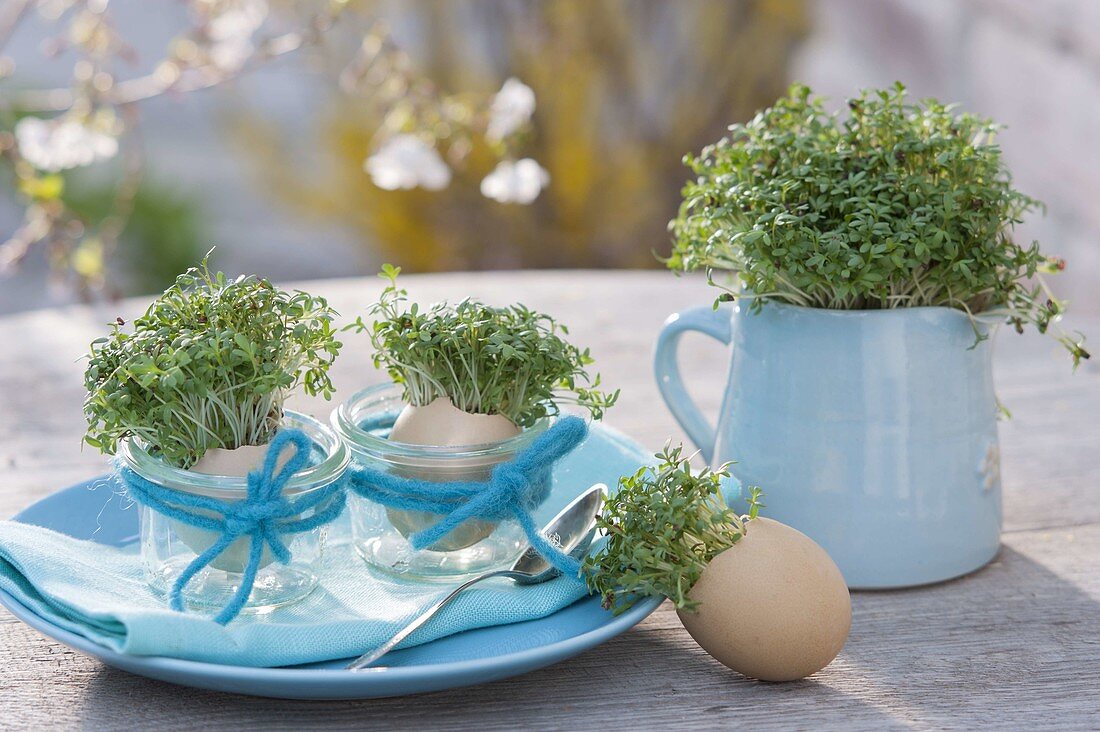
pixel 371 656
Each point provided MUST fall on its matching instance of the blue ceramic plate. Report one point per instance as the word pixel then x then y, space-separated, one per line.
pixel 473 657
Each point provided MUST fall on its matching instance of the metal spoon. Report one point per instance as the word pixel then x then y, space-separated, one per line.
pixel 574 528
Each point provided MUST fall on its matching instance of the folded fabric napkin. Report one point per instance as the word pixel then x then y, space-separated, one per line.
pixel 99 591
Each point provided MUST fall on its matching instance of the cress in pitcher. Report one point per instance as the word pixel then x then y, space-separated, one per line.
pixel 867 259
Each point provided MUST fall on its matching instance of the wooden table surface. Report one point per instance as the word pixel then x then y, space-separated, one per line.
pixel 1012 646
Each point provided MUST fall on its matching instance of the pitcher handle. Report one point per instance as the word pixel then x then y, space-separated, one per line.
pixel 714 323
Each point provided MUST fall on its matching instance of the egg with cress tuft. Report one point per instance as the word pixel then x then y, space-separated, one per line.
pixel 759 596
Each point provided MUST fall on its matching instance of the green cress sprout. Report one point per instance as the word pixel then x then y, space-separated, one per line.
pixel 510 361
pixel 208 365
pixel 897 205
pixel 663 526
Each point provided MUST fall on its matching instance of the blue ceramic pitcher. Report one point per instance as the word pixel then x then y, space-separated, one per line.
pixel 874 432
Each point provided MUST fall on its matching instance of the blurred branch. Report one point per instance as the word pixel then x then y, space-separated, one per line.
pixel 13 12
pixel 48 134
pixel 35 227
pixel 185 80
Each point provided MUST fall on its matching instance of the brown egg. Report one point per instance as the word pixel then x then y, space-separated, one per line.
pixel 773 607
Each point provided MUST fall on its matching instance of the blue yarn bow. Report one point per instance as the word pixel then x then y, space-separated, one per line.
pixel 264 515
pixel 514 489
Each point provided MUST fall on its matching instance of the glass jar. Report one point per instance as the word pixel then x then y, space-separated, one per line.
pixel 168 546
pixel 381 534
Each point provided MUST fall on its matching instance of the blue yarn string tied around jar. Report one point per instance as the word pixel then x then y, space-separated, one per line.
pixel 513 490
pixel 264 515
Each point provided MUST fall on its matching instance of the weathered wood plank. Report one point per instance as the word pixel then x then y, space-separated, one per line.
pixel 1013 646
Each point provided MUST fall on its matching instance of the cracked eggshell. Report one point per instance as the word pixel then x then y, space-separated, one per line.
pixel 773 607
pixel 237 462
pixel 442 424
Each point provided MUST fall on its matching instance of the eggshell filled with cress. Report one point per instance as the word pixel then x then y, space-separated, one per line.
pixel 478 384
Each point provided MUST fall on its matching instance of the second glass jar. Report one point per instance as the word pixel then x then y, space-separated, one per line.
pixel 381 534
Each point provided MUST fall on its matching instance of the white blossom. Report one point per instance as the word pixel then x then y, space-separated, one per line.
pixel 406 161
pixel 230 30
pixel 236 18
pixel 515 182
pixel 60 144
pixel 510 109
pixel 230 55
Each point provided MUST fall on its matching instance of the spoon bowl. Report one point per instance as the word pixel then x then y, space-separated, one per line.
pixel 572 531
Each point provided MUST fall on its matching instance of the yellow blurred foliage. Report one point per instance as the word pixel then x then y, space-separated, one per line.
pixel 624 88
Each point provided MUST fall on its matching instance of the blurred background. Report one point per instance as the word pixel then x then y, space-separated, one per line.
pixel 270 129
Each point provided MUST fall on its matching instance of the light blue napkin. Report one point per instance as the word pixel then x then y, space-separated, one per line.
pixel 98 591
